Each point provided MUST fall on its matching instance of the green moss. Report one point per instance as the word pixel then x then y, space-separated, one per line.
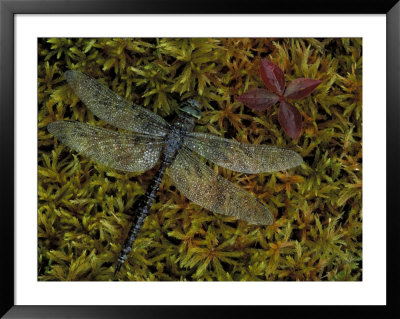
pixel 84 217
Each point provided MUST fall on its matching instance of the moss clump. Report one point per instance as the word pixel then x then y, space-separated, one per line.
pixel 83 214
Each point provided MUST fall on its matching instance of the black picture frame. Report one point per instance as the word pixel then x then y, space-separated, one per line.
pixel 8 10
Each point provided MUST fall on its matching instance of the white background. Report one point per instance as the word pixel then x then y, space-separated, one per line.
pixel 372 290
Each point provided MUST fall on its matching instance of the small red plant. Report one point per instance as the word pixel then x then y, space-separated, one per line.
pixel 274 79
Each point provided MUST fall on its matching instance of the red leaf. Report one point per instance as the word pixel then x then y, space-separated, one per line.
pixel 258 99
pixel 300 88
pixel 290 119
pixel 272 76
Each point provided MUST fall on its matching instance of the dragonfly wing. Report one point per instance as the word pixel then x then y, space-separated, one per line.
pixel 240 157
pixel 203 186
pixel 124 151
pixel 112 108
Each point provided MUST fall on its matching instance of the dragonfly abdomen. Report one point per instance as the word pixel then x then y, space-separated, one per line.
pixel 143 207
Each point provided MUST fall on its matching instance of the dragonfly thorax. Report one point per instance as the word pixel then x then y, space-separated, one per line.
pixel 174 139
pixel 185 121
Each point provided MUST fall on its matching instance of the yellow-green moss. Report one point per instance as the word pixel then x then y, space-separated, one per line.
pixel 83 207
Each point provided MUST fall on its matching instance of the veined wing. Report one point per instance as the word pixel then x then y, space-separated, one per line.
pixel 240 157
pixel 112 108
pixel 129 152
pixel 203 186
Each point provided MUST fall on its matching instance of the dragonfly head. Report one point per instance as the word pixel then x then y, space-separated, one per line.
pixel 191 107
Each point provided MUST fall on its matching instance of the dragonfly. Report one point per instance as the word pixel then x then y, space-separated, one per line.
pixel 148 139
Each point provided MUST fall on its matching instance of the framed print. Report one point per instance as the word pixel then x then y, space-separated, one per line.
pixel 241 159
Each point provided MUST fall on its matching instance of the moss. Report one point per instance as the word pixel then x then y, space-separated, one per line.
pixel 83 207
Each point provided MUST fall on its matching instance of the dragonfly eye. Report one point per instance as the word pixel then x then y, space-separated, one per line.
pixel 191 107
